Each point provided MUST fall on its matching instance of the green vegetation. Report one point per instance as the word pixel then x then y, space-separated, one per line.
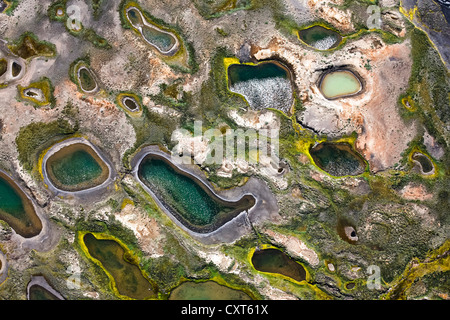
pixel 214 9
pixel 38 136
pixel 76 28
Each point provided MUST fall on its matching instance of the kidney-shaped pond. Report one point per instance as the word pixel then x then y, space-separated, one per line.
pixel 319 37
pixel 276 261
pixel 187 198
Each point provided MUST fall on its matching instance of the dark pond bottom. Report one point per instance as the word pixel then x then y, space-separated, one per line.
pixel 128 277
pixel 276 261
pixel 3 66
pixel 76 167
pixel 208 290
pixel 16 69
pixel 40 293
pixel 87 81
pixel 338 159
pixel 425 163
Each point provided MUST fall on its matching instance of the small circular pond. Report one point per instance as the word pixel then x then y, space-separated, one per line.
pixel 424 162
pixel 208 290
pixel 74 167
pixel 339 84
pixel 17 209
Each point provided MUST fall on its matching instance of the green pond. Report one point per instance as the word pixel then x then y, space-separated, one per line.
pixel 340 83
pixel 76 167
pixel 338 159
pixel 185 197
pixel 17 210
pixel 128 277
pixel 208 290
pixel 320 38
pixel 163 41
pixel 40 293
pixel 425 163
pixel 86 80
pixel 244 72
pixel 276 261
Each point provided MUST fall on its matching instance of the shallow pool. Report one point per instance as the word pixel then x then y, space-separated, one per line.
pixel 341 83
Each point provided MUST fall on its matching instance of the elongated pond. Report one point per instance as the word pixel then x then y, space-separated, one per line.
pixel 128 277
pixel 339 84
pixel 338 159
pixel 276 261
pixel 17 209
pixel 320 38
pixel 186 197
pixel 165 42
pixel 264 85
pixel 76 167
pixel 208 290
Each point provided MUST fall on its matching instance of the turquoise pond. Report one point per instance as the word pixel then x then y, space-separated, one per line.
pixel 17 210
pixel 185 197
pixel 76 167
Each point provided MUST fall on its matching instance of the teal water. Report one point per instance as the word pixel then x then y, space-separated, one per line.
pixel 185 196
pixel 181 192
pixel 337 159
pixel 75 168
pixel 10 201
pixel 17 210
pixel 243 72
pixel 319 37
